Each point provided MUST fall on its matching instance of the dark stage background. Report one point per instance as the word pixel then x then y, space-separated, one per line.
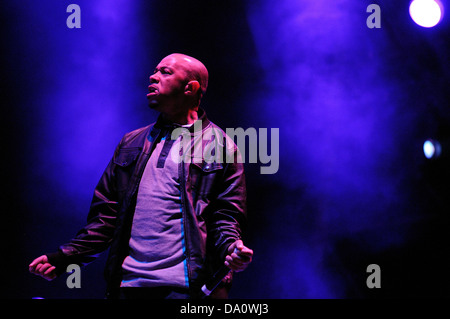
pixel 353 106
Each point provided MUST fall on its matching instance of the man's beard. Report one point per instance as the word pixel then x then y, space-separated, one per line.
pixel 153 103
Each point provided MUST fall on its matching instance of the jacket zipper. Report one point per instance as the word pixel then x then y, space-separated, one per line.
pixel 183 214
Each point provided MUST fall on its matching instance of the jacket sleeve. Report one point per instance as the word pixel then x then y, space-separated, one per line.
pixel 229 212
pixel 96 236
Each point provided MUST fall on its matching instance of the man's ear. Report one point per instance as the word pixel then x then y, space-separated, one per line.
pixel 192 88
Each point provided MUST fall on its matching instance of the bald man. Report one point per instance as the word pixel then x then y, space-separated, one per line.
pixel 170 225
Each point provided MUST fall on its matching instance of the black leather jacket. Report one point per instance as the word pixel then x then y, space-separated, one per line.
pixel 213 207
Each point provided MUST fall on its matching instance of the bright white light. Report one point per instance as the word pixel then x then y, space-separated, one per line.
pixel 426 13
pixel 431 149
pixel 428 149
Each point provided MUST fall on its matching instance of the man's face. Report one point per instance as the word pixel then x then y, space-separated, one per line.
pixel 167 84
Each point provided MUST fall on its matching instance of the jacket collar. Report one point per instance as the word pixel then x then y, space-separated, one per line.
pixel 162 123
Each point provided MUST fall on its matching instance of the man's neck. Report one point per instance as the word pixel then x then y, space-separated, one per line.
pixel 182 118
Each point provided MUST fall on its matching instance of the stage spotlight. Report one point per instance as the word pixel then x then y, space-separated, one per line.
pixel 432 149
pixel 426 13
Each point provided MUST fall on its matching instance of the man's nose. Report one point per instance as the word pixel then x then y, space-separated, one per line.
pixel 154 78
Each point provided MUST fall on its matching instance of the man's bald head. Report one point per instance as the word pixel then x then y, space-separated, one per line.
pixel 195 70
pixel 177 86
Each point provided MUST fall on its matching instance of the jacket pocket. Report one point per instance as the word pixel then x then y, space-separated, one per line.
pixel 204 177
pixel 125 162
pixel 127 156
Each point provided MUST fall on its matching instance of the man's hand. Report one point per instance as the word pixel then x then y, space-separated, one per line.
pixel 41 267
pixel 240 260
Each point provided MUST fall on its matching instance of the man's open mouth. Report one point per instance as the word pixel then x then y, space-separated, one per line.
pixel 152 90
